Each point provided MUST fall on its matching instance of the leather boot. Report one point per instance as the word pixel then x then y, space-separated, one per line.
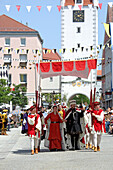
pixel 92 147
pixel 2 133
pixel 5 133
pixel 98 148
pixel 36 150
pixel 95 149
pixel 86 146
pixel 32 152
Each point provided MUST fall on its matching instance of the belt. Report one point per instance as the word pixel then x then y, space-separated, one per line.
pixel 55 122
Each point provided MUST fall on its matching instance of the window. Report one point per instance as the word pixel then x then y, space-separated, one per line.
pixel 78 1
pixel 23 57
pixel 7 41
pixel 23 41
pixel 51 79
pixel 78 45
pixel 78 29
pixel 23 78
pixel 7 58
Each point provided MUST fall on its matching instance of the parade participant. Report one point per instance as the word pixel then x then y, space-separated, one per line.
pixel 44 113
pixel 34 128
pixel 21 117
pixel 42 126
pixel 0 121
pixel 4 121
pixel 62 125
pixel 54 135
pixel 25 123
pixel 88 137
pixel 73 124
pixel 97 125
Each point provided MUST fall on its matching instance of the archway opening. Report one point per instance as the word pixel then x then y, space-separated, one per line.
pixel 80 99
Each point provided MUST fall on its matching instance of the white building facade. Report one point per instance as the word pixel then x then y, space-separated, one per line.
pixel 79 39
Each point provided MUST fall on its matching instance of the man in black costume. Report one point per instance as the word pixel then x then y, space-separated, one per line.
pixel 73 126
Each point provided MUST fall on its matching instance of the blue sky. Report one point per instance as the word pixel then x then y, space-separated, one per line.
pixel 48 24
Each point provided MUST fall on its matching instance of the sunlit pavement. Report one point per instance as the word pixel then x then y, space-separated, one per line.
pixel 15 154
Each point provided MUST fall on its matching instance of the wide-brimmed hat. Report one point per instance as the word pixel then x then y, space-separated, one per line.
pixel 72 102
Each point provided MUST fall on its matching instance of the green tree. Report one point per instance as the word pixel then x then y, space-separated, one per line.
pixel 5 96
pixel 80 98
pixel 50 97
pixel 19 96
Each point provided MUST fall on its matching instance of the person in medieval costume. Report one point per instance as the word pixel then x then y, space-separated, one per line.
pixel 54 134
pixel 34 128
pixel 4 121
pixel 88 136
pixel 42 126
pixel 73 125
pixel 61 112
pixel 25 123
pixel 97 125
pixel 0 121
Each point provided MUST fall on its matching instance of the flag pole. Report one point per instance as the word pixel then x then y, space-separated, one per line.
pixel 37 78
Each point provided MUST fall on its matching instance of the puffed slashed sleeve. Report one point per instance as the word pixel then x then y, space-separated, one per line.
pixel 60 119
pixel 48 116
pixel 100 117
pixel 38 125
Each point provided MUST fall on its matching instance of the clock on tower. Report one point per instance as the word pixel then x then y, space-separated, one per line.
pixel 78 16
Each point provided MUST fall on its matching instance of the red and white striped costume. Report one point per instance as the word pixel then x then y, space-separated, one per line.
pixel 97 126
pixel 34 123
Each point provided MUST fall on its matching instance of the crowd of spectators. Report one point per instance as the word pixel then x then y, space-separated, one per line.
pixel 109 120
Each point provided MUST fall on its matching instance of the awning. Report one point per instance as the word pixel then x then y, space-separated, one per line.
pixel 79 68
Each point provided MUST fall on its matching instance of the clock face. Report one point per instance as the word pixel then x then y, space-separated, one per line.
pixel 78 16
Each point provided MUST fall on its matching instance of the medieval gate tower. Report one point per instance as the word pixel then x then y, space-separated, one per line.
pixel 79 39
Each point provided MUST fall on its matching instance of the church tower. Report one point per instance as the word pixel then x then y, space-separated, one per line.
pixel 79 40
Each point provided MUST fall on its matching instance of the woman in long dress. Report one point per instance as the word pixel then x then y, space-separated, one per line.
pixel 54 135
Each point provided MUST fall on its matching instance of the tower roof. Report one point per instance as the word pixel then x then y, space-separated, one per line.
pixel 72 2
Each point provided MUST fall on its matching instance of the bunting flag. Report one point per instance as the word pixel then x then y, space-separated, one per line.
pixel 100 5
pixel 106 26
pixel 28 8
pixel 59 7
pixel 18 7
pixel 7 7
pixel 69 7
pixel 67 68
pixel 80 7
pixel 49 8
pixel 90 6
pixel 110 4
pixel 39 8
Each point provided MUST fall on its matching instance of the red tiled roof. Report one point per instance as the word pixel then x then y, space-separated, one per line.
pixel 8 24
pixel 72 2
pixel 51 55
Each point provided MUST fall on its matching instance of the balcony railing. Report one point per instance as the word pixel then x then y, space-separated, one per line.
pixel 7 60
